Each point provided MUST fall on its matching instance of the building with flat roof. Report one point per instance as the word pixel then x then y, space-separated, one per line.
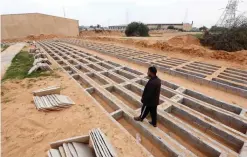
pixel 158 26
pixel 23 25
pixel 118 27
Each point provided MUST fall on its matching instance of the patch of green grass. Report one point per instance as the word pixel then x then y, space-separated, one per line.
pixel 199 35
pixel 4 47
pixel 20 66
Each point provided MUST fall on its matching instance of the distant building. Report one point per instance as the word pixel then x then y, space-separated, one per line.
pixel 158 26
pixel 118 27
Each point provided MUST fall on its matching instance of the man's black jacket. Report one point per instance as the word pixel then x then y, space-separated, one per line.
pixel 151 93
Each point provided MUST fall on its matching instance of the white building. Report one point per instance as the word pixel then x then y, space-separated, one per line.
pixel 158 26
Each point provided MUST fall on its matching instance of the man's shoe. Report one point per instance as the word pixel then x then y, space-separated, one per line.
pixel 152 124
pixel 138 119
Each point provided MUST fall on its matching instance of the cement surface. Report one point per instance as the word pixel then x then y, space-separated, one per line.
pixel 190 140
pixel 8 55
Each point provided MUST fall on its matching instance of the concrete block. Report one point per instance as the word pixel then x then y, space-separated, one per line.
pixel 61 151
pixel 82 150
pixel 81 139
pixel 47 91
pixel 243 152
pixel 54 153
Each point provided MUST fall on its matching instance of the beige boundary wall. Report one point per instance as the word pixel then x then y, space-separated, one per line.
pixel 22 25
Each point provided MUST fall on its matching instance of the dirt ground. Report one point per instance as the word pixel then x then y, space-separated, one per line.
pixel 156 36
pixel 34 38
pixel 27 132
pixel 181 46
pixel 100 33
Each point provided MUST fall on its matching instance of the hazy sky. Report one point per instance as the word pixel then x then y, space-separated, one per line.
pixel 113 12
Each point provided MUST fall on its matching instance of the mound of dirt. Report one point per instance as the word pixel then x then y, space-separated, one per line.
pixel 35 38
pixel 187 44
pixel 184 40
pixel 239 56
pixel 100 33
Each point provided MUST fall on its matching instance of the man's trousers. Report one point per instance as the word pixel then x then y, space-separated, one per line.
pixel 153 112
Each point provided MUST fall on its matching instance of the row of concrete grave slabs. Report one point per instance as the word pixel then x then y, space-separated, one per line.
pixel 223 78
pixel 189 123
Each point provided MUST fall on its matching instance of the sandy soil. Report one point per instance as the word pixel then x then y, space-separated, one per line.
pixel 27 132
pixel 34 38
pixel 101 33
pixel 157 36
pixel 185 47
pixel 218 94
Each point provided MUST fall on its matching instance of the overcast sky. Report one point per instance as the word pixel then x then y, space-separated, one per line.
pixel 114 12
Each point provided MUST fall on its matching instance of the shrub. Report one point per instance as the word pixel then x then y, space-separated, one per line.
pixel 170 27
pixel 232 39
pixel 217 29
pixel 203 28
pixel 137 29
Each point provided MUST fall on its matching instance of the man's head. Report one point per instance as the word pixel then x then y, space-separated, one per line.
pixel 152 71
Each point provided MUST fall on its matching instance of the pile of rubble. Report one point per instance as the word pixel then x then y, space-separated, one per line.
pixel 41 61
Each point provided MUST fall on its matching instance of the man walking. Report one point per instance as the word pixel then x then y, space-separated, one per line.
pixel 150 97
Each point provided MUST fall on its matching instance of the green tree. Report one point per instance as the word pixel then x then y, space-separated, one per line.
pixel 170 27
pixel 217 29
pixel 203 28
pixel 136 29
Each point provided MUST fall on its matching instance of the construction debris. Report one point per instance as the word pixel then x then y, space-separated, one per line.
pixel 47 91
pixel 41 60
pixel 39 66
pixel 52 102
pixel 40 55
pixel 79 146
pixel 49 99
